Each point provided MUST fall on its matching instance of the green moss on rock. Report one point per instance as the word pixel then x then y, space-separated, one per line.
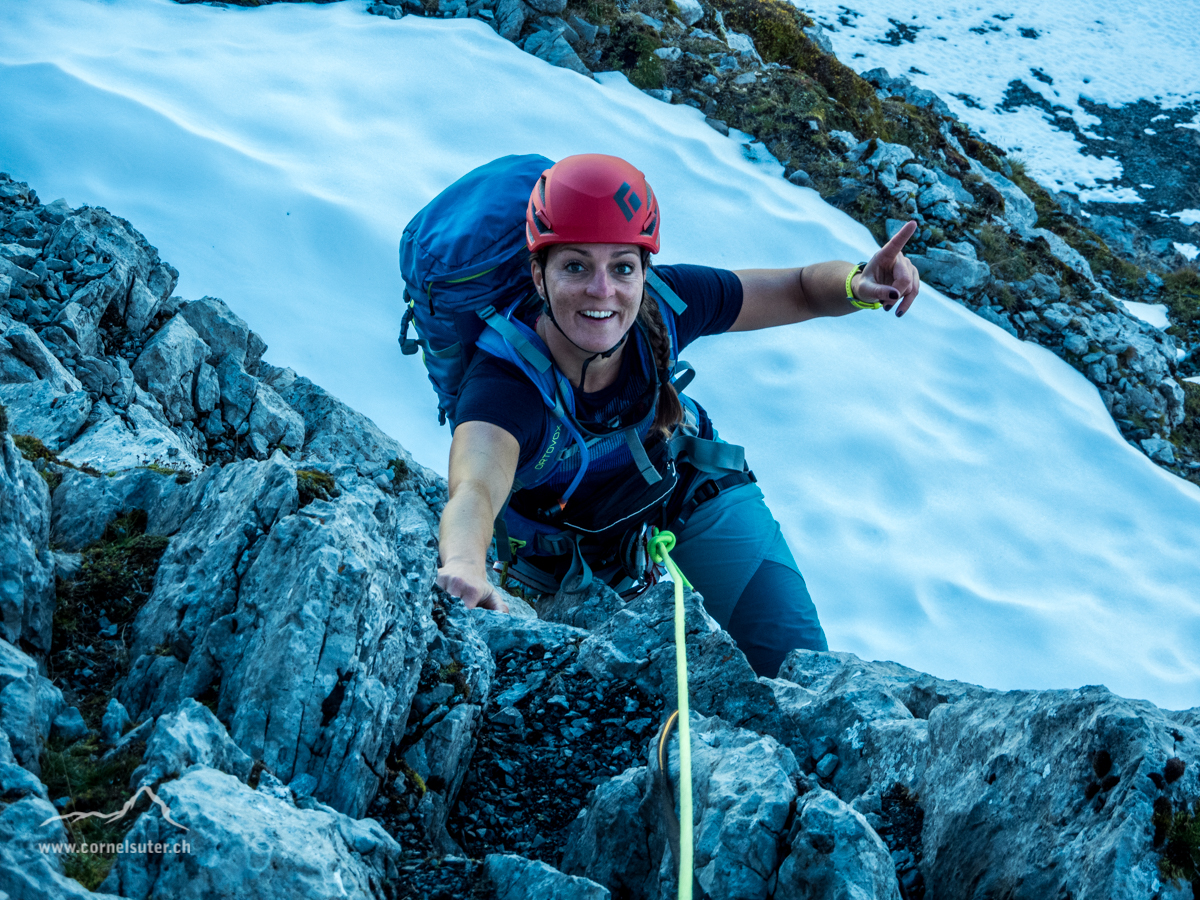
pixel 313 484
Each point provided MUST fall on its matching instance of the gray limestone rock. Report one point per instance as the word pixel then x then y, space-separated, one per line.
pixel 504 632
pixel 85 504
pixel 690 11
pixel 69 725
pixel 141 306
pixel 510 18
pixel 313 624
pixel 80 324
pixel 953 272
pixel 244 844
pixel 834 854
pixel 15 780
pixel 116 720
pixel 26 871
pixel 29 704
pixel 900 87
pixel 219 327
pixel 94 233
pixel 168 365
pixel 100 376
pixel 340 438
pixel 554 48
pixel 586 30
pixel 1025 793
pixel 516 878
pixel 252 407
pixel 191 735
pixel 1159 450
pixel 582 609
pixel 23 357
pixel 136 438
pixel 1021 214
pixel 26 565
pixel 889 155
pixel 638 644
pixel 37 409
pixel 549 7
pixel 444 727
pixel 760 829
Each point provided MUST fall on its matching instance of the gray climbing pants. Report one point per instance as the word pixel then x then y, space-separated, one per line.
pixel 734 554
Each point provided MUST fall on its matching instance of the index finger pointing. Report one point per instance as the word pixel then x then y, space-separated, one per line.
pixel 899 239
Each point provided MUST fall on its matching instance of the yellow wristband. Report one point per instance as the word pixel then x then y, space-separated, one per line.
pixel 855 302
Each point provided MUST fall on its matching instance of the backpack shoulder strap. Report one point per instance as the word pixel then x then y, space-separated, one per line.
pixel 508 338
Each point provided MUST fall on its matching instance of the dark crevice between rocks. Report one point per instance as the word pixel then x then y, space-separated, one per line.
pixel 551 736
pixel 902 821
pixel 1177 839
pixel 94 613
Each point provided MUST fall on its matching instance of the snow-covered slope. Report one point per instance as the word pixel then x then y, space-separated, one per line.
pixel 1112 52
pixel 958 501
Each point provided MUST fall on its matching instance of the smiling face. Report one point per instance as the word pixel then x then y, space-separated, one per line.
pixel 595 291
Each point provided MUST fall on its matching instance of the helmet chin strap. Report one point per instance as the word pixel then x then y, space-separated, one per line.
pixel 546 308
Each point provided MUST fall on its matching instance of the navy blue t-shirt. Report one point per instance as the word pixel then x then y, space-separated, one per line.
pixel 495 391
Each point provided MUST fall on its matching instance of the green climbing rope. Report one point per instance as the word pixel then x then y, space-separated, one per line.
pixel 660 546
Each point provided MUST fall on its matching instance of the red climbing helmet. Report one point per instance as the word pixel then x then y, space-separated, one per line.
pixel 592 199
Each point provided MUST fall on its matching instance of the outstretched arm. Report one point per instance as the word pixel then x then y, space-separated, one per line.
pixel 483 462
pixel 783 296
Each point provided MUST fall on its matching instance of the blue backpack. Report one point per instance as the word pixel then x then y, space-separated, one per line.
pixel 465 266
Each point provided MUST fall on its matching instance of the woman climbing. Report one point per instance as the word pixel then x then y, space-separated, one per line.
pixel 648 455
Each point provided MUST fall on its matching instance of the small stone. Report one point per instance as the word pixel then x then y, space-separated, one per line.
pixel 828 765
pixel 69 724
pixel 1160 451
pixel 718 125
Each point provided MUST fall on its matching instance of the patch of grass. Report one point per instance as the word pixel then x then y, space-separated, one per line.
pixel 1177 837
pixel 1006 254
pixel 313 484
pixel 400 470
pixel 32 448
pixel 115 579
pixel 1181 294
pixel 417 781
pixel 630 49
pixel 454 674
pixel 1186 435
pixel 75 771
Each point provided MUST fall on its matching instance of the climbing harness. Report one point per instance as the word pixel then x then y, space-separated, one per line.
pixel 679 832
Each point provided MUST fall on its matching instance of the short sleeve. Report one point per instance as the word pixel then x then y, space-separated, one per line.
pixel 495 391
pixel 713 298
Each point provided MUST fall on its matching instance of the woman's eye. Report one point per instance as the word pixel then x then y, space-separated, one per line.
pixel 624 269
pixel 574 267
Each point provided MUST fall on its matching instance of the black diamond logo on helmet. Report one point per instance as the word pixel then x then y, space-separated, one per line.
pixel 630 206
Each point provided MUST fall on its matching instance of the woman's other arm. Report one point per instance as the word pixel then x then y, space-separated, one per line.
pixel 483 462
pixel 782 296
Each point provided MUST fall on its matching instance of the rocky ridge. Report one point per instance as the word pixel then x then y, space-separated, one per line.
pixel 237 613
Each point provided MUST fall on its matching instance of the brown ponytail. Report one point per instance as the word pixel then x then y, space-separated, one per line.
pixel 670 409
